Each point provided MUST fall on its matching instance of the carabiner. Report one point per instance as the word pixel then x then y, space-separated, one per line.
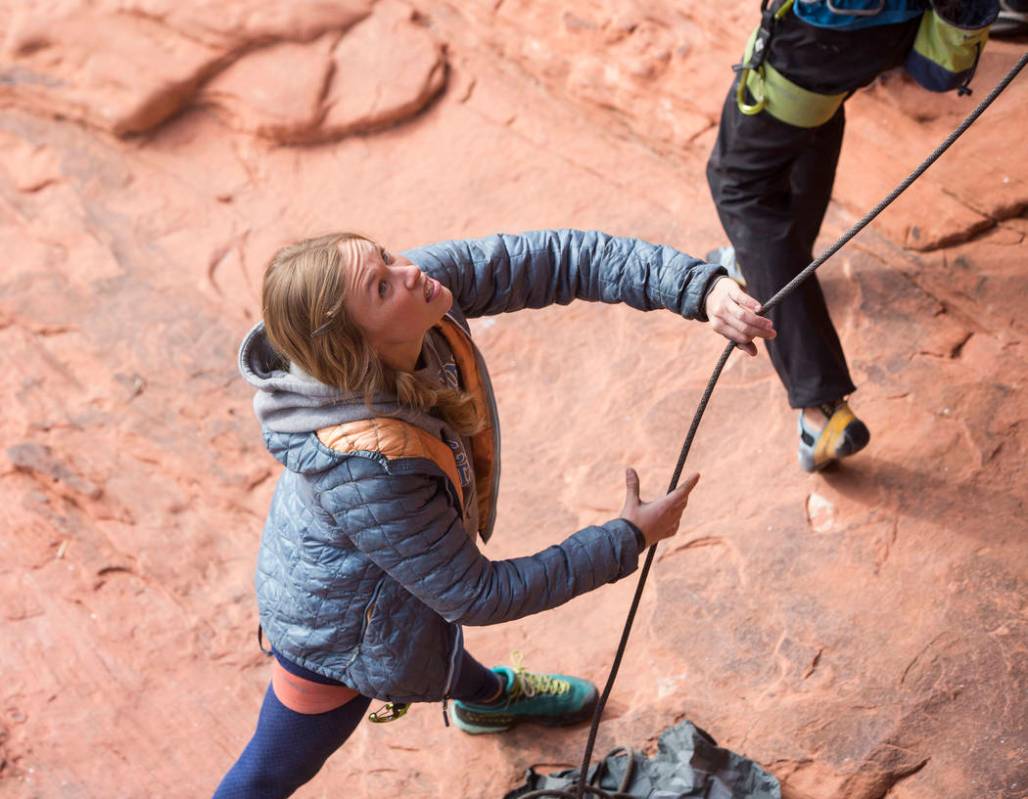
pixel 754 62
pixel 390 711
pixel 749 109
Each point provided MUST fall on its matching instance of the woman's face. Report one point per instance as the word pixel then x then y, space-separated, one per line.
pixel 391 300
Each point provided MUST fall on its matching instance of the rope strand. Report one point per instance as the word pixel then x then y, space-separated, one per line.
pixel 582 790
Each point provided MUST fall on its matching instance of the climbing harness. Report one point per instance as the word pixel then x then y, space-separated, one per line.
pixel 944 55
pixel 582 789
pixel 856 14
pixel 753 60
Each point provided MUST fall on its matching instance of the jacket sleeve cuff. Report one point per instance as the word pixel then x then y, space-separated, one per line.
pixel 625 536
pixel 640 539
pixel 701 312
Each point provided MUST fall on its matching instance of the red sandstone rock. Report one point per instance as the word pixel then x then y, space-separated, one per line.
pixel 121 73
pixel 275 92
pixel 385 71
pixel 129 67
pixel 860 632
pixel 376 74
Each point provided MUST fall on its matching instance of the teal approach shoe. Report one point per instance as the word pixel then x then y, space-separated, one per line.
pixel 554 700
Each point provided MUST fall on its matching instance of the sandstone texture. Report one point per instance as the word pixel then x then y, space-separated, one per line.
pixel 860 633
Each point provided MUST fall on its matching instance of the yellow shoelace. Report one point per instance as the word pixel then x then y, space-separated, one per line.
pixel 528 684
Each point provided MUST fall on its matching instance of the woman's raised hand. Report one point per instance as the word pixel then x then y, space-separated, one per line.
pixel 733 313
pixel 660 518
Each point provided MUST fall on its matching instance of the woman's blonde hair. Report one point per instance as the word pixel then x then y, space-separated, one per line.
pixel 306 322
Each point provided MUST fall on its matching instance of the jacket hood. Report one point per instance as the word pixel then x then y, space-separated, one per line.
pixel 290 405
pixel 288 400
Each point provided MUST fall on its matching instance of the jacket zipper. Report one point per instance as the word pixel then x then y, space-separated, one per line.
pixel 369 609
pixel 495 418
pixel 458 646
pixel 494 412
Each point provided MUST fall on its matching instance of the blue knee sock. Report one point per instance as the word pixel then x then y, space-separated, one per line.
pixel 288 749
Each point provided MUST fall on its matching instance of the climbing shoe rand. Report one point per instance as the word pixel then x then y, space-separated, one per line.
pixel 843 435
pixel 554 700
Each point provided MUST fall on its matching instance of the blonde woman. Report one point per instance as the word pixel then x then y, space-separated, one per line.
pixel 374 398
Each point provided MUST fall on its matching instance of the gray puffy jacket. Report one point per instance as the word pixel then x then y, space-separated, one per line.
pixel 365 572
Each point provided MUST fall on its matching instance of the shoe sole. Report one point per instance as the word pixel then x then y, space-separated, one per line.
pixel 854 438
pixel 583 714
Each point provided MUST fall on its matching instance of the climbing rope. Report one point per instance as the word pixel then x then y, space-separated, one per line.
pixel 583 789
pixel 592 790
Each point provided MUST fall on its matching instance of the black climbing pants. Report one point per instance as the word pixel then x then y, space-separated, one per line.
pixel 772 182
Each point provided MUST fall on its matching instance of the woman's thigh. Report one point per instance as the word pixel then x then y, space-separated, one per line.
pixel 288 748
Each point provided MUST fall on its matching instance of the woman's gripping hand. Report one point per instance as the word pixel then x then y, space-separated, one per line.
pixel 733 313
pixel 660 518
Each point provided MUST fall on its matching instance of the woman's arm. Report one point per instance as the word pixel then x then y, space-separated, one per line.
pixel 407 525
pixel 504 272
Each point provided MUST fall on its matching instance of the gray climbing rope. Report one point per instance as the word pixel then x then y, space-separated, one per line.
pixel 582 789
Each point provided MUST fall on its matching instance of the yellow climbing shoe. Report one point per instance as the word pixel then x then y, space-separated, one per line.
pixel 843 435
